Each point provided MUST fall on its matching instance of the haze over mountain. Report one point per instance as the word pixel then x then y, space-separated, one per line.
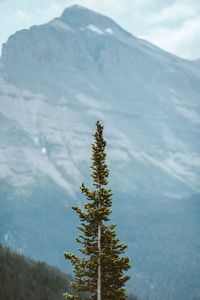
pixel 57 79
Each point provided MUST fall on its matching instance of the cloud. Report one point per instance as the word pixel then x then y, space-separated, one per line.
pixel 174 27
pixel 176 12
pixel 38 16
pixel 183 41
pixel 22 16
pixel 54 10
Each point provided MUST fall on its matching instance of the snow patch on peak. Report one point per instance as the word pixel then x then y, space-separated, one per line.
pixel 109 30
pixel 97 30
pixel 93 28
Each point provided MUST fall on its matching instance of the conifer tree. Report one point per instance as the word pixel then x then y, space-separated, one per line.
pixel 100 272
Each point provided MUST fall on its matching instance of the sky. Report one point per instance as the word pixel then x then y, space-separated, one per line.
pixel 173 25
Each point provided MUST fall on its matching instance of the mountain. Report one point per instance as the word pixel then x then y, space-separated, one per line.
pixel 56 80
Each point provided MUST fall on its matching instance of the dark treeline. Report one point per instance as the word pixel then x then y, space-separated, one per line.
pixel 22 279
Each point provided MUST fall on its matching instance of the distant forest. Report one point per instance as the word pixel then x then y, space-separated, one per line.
pixel 24 279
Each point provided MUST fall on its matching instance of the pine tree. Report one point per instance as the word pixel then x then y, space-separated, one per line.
pixel 100 273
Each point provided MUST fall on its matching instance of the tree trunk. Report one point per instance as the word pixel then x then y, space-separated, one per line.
pixel 99 263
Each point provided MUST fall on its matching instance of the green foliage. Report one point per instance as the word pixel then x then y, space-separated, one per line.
pixel 97 211
pixel 22 279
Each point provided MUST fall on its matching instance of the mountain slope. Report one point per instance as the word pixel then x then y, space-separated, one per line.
pixel 36 281
pixel 57 79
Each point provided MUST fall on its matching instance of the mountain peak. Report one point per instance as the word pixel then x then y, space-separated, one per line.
pixel 79 16
pixel 76 6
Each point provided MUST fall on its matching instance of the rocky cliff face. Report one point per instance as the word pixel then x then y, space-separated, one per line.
pixel 57 79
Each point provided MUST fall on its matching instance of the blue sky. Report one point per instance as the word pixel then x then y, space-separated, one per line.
pixel 173 25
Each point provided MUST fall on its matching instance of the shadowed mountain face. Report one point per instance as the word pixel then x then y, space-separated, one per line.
pixel 57 79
